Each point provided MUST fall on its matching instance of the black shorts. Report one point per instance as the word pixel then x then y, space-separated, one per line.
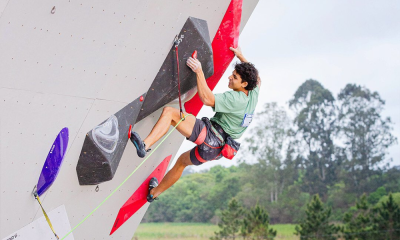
pixel 209 146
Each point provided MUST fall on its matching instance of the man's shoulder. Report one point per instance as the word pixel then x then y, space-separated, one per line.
pixel 232 95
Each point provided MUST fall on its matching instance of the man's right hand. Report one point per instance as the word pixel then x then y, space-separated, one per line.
pixel 194 64
pixel 238 52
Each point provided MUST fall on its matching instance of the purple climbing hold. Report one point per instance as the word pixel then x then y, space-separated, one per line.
pixel 53 162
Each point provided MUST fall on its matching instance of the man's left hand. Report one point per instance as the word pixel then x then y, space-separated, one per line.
pixel 194 64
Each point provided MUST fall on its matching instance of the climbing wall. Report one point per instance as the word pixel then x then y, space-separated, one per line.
pixel 69 63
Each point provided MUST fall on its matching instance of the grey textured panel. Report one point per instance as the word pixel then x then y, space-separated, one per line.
pixel 164 88
pixel 96 165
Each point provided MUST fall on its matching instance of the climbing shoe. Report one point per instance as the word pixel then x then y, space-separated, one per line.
pixel 152 184
pixel 139 144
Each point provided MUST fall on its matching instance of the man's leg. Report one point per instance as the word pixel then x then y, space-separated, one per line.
pixel 170 116
pixel 173 175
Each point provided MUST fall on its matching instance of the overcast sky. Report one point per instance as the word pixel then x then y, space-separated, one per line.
pixel 335 42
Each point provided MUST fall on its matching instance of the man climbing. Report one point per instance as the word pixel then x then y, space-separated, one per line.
pixel 234 110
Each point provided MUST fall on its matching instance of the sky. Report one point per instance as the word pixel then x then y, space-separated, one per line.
pixel 335 42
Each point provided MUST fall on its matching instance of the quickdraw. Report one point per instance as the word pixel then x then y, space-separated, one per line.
pixel 36 195
pixel 177 41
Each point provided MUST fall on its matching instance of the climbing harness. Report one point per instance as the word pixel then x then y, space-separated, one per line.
pixel 177 41
pixel 36 195
pixel 126 179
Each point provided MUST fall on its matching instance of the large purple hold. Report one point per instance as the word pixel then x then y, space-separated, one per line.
pixel 53 162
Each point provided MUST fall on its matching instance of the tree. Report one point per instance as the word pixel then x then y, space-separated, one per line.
pixel 266 144
pixel 230 222
pixel 386 222
pixel 256 225
pixel 358 221
pixel 366 135
pixel 375 196
pixel 315 122
pixel 316 224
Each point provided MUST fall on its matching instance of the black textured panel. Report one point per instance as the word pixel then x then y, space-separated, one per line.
pixel 95 165
pixel 164 88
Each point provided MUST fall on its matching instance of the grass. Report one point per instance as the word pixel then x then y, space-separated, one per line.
pixel 195 231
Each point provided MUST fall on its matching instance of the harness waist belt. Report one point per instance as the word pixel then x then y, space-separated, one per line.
pixel 220 130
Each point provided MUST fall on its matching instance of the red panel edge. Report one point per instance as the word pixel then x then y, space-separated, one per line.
pixel 139 197
pixel 227 36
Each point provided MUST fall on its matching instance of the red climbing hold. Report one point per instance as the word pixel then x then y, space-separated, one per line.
pixel 194 55
pixel 130 130
pixel 141 98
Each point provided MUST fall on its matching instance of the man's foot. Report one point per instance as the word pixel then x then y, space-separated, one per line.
pixel 139 144
pixel 152 184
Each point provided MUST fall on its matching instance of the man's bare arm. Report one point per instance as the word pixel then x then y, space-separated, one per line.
pixel 238 53
pixel 205 93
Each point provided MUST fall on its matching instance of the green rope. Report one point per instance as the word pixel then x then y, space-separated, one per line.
pixel 126 179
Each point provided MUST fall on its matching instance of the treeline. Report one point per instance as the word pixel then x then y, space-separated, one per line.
pixel 362 221
pixel 335 148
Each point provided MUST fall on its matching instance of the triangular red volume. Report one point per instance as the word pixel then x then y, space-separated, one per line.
pixel 226 36
pixel 139 197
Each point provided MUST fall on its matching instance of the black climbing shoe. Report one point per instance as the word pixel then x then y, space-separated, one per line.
pixel 139 144
pixel 152 184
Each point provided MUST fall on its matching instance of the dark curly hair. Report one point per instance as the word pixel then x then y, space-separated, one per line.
pixel 248 73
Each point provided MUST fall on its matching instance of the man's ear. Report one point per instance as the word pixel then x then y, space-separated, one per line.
pixel 245 84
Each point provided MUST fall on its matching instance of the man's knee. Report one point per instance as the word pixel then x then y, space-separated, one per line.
pixel 184 160
pixel 170 111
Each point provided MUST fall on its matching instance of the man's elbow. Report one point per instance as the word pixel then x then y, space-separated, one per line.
pixel 209 102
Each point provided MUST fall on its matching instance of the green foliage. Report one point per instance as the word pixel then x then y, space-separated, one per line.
pixel 256 225
pixel 375 196
pixel 383 199
pixel 269 135
pixel 315 123
pixel 231 221
pixel 358 221
pixel 366 135
pixel 316 224
pixel 386 221
pixel 370 223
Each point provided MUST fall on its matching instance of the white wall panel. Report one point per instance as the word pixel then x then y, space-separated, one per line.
pixel 74 69
pixel 30 122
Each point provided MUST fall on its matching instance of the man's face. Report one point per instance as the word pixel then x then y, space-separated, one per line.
pixel 235 82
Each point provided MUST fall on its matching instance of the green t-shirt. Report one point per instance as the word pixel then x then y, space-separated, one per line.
pixel 231 108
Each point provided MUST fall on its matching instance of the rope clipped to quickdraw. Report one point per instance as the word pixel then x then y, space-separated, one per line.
pixel 36 195
pixel 126 179
pixel 177 41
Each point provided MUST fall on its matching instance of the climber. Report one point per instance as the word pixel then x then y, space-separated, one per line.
pixel 214 137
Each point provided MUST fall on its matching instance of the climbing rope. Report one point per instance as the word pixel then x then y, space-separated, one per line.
pixel 126 179
pixel 36 195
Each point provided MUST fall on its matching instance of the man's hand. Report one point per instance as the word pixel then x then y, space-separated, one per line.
pixel 238 52
pixel 194 64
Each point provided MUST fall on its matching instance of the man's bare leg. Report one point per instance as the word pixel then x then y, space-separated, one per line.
pixel 170 116
pixel 173 175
